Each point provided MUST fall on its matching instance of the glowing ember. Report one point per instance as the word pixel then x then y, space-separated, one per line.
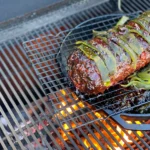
pixel 63 134
pixel 138 132
pixel 63 92
pixel 66 127
pixel 124 135
pixel 72 93
pixel 98 115
pixel 71 109
pixel 118 128
pixel 122 139
pixel 93 140
pixel 109 128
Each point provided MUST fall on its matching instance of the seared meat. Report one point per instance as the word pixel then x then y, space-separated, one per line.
pixel 128 44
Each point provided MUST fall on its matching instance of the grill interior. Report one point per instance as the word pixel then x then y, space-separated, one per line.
pixel 27 120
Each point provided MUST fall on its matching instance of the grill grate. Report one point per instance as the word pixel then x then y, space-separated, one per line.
pixel 24 108
pixel 50 64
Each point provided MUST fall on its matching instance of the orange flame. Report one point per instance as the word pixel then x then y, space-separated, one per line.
pixel 71 109
pixel 123 134
pixel 93 140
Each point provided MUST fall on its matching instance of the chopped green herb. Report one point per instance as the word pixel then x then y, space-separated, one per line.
pixel 140 80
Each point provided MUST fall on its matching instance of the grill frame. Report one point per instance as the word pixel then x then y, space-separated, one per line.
pixel 28 83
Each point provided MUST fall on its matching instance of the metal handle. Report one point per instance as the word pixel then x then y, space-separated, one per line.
pixel 127 126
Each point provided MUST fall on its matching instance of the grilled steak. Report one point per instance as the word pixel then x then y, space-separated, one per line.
pixel 105 60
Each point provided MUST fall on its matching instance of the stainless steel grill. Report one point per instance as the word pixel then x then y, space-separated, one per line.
pixel 26 116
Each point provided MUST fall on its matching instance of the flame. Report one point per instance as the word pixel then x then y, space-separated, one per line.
pixel 65 137
pixel 138 132
pixel 63 91
pixel 98 136
pixel 98 115
pixel 93 140
pixel 72 108
pixel 129 132
pixel 63 134
pixel 66 127
pixel 117 148
pixel 124 135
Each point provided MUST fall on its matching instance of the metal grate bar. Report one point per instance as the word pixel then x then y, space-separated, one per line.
pixel 134 141
pixel 44 34
pixel 2 143
pixel 103 136
pixel 16 122
pixel 83 133
pixel 33 75
pixel 128 145
pixel 37 116
pixel 11 127
pixel 129 6
pixel 112 137
pixel 20 83
pixel 141 139
pixel 8 138
pixel 146 135
pixel 90 142
pixel 19 113
pixel 55 130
